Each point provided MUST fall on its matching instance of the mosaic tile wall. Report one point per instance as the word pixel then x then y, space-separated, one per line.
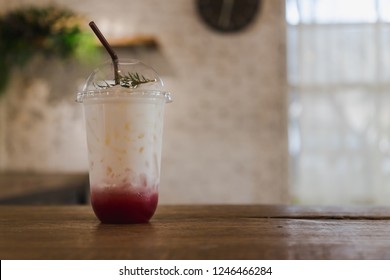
pixel 225 135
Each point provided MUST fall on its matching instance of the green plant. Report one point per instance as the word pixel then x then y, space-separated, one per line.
pixel 48 31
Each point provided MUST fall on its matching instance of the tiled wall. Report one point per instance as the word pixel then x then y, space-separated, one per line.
pixel 225 133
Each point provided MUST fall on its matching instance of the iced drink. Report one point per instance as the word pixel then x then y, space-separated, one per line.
pixel 124 134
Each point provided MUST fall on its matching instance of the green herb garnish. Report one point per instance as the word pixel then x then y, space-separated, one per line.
pixel 131 80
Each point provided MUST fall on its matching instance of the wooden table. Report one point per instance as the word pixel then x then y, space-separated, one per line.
pixel 198 232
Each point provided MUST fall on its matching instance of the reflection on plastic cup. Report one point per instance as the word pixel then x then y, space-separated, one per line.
pixel 124 135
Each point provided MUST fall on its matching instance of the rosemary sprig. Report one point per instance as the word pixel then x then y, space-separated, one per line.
pixel 131 80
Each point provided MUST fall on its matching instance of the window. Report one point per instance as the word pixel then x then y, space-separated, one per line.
pixel 339 100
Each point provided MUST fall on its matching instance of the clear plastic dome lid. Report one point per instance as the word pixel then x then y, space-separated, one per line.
pixel 133 78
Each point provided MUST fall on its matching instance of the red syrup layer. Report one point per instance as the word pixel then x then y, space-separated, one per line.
pixel 123 204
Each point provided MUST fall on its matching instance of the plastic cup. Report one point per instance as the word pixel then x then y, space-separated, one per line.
pixel 124 129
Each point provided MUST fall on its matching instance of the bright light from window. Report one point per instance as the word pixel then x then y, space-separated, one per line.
pixel 384 10
pixel 337 11
pixel 292 13
pixel 338 59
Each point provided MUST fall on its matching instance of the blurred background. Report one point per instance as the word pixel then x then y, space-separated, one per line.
pixel 293 108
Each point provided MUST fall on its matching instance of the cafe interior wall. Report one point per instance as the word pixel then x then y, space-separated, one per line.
pixel 225 134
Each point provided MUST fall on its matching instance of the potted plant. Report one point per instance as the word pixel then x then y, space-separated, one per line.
pixel 46 31
pixel 42 50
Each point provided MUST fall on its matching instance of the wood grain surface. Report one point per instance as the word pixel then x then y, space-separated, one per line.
pixel 198 232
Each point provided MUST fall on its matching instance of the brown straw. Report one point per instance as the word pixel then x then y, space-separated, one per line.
pixel 109 49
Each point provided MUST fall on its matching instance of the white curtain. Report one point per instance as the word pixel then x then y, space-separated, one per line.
pixel 339 110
